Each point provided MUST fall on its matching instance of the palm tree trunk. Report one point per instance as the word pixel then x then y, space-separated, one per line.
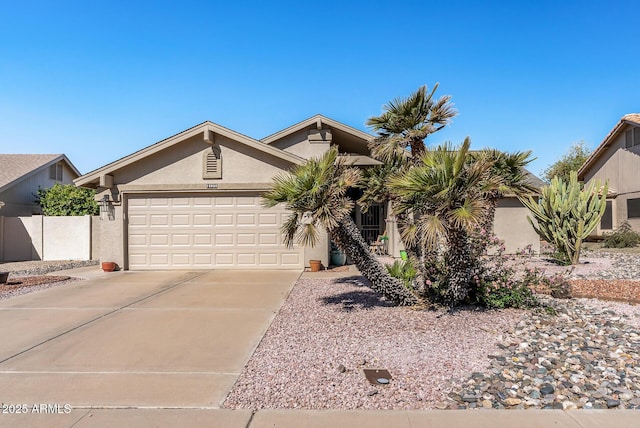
pixel 459 261
pixel 349 239
pixel 414 254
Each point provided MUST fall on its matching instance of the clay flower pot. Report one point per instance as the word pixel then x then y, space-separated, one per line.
pixel 315 265
pixel 108 266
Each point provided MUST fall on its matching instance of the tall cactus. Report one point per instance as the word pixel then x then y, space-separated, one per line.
pixel 566 214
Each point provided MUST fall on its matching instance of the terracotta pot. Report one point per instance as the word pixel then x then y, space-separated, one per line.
pixel 315 265
pixel 108 266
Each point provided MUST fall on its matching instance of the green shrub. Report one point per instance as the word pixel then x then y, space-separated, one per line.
pixel 509 295
pixel 67 200
pixel 404 271
pixel 623 237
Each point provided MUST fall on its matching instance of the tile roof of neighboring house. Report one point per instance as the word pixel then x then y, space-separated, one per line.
pixel 631 118
pixel 14 167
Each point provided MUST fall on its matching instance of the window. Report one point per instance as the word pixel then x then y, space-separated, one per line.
pixel 632 137
pixel 212 164
pixel 633 208
pixel 55 172
pixel 606 222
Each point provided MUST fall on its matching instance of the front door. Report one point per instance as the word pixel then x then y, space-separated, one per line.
pixel 371 223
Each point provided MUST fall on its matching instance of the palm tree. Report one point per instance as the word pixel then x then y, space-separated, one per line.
pixel 446 194
pixel 407 122
pixel 316 195
pixel 402 129
pixel 511 168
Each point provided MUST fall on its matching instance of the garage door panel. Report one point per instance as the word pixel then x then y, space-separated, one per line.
pixel 224 219
pixel 268 219
pixel 202 239
pixel 207 232
pixel 246 201
pixel 223 259
pixel 246 239
pixel 202 220
pixel 246 219
pixel 180 219
pixel 202 259
pixel 222 202
pixel 159 259
pixel 137 220
pixel 224 239
pixel 137 240
pixel 268 259
pixel 159 202
pixel 246 259
pixel 159 240
pixel 270 239
pixel 180 259
pixel 159 220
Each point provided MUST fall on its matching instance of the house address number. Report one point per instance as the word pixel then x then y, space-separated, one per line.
pixel 212 186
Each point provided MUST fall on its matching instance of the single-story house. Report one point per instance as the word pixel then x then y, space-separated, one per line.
pixel 22 175
pixel 193 200
pixel 617 160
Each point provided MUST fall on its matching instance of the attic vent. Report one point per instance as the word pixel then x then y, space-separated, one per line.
pixel 212 164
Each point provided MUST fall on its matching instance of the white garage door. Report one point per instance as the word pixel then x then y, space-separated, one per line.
pixel 206 232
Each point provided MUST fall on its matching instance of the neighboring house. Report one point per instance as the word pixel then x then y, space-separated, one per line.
pixel 617 160
pixel 22 175
pixel 193 199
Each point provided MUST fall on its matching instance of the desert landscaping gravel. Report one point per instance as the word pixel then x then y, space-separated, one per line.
pixel 329 330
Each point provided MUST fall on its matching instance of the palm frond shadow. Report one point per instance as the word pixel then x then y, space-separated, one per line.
pixel 353 300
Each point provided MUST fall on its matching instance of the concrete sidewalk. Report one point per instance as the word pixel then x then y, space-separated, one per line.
pixel 107 418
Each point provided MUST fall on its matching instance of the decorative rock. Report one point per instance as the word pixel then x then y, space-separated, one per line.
pixel 341 368
pixel 512 401
pixel 585 357
pixel 547 388
pixel 469 398
pixel 612 403
pixel 442 406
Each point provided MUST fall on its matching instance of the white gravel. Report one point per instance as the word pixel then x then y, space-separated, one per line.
pixel 329 330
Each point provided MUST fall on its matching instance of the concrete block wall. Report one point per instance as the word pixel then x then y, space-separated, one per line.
pixel 48 238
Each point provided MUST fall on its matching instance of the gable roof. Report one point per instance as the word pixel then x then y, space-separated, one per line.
pixel 181 136
pixel 18 167
pixel 627 119
pixel 317 120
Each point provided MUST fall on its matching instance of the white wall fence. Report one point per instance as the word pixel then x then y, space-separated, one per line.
pixel 49 238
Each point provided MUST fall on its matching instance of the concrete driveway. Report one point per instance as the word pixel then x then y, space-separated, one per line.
pixel 172 339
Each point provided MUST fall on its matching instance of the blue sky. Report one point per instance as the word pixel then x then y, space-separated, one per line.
pixel 98 80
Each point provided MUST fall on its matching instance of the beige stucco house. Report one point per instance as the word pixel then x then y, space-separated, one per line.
pixel 193 200
pixel 22 175
pixel 617 160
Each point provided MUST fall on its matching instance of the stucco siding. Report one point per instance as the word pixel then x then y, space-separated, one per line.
pixel 619 165
pixel 183 164
pixel 511 226
pixel 299 145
